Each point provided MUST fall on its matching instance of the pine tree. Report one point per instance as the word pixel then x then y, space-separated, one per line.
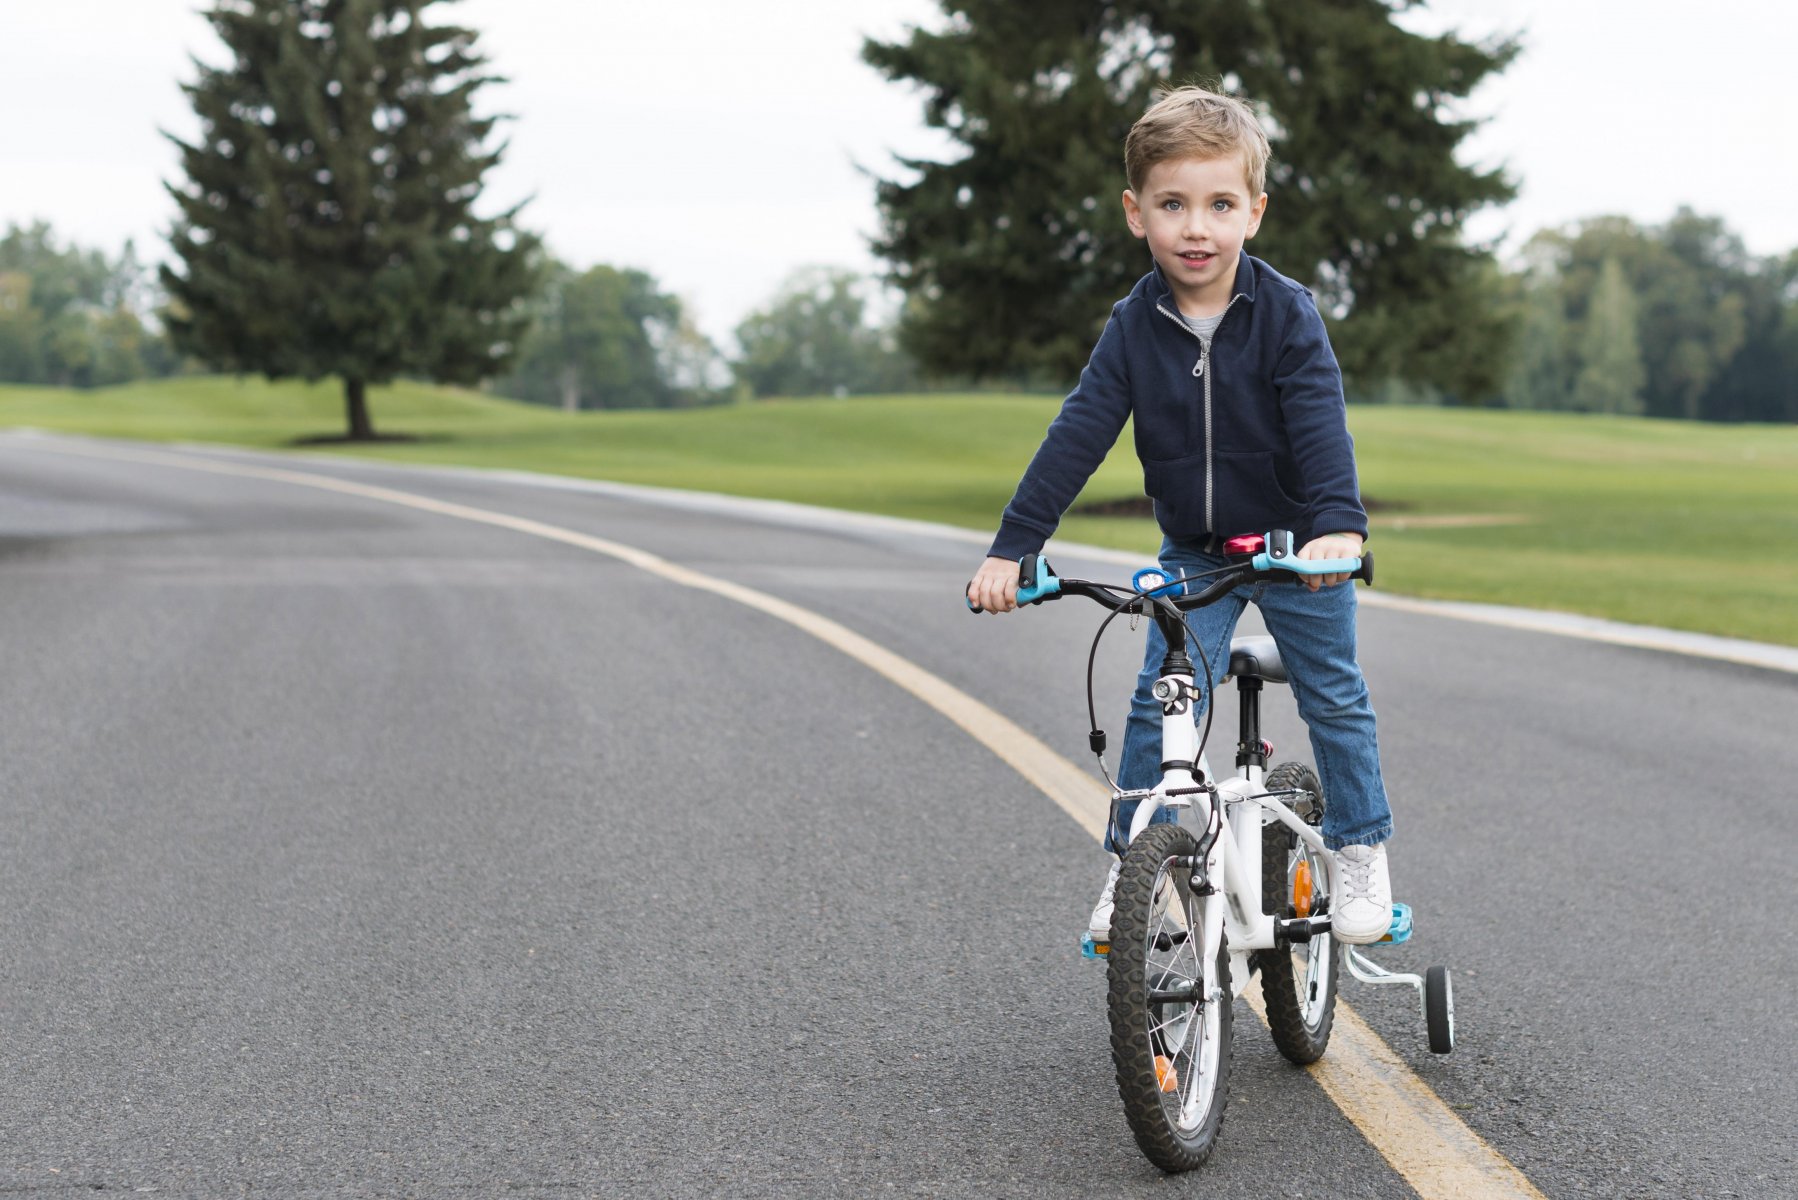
pixel 327 221
pixel 1018 249
pixel 1611 374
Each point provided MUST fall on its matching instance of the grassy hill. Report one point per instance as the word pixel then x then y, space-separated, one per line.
pixel 1665 523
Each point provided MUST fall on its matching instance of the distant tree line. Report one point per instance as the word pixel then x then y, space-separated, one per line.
pixel 612 338
pixel 606 337
pixel 603 338
pixel 1674 320
pixel 75 318
pixel 1605 316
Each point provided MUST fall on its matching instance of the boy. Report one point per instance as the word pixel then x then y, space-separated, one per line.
pixel 1241 428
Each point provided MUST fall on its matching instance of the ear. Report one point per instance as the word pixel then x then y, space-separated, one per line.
pixel 1133 214
pixel 1256 210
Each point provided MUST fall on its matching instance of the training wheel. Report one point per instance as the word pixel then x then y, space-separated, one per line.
pixel 1439 1009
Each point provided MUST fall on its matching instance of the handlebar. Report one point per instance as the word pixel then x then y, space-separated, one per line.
pixel 1037 581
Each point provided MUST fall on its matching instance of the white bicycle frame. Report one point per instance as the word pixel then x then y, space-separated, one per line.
pixel 1233 864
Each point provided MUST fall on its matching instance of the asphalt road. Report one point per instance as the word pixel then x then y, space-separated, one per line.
pixel 352 850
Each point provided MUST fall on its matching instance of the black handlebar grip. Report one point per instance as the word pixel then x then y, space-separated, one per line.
pixel 972 607
pixel 1365 574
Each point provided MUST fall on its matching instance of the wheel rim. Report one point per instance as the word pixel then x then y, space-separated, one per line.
pixel 1185 1033
pixel 1314 960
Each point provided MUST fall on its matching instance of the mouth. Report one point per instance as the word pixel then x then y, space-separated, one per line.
pixel 1196 258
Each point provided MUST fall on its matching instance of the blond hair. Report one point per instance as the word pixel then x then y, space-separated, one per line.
pixel 1190 122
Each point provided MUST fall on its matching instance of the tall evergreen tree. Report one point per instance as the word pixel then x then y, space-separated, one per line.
pixel 327 222
pixel 1018 247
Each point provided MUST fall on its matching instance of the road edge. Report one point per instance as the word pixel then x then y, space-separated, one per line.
pixel 1764 655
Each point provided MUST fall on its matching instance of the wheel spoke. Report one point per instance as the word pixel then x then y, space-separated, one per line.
pixel 1183 1015
pixel 1201 1062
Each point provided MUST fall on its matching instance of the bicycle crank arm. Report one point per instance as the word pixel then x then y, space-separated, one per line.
pixel 1300 929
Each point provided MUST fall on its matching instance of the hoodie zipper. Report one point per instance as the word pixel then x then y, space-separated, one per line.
pixel 1202 370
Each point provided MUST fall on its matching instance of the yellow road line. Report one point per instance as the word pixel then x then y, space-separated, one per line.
pixel 1414 1131
pixel 1418 1135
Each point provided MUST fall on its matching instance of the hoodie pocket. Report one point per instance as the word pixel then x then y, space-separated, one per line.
pixel 1247 496
pixel 1177 485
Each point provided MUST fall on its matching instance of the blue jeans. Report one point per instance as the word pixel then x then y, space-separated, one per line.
pixel 1316 635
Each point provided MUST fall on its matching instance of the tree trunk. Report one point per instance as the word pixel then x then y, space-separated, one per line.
pixel 571 389
pixel 355 398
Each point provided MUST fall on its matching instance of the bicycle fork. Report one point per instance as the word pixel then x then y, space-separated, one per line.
pixel 1233 856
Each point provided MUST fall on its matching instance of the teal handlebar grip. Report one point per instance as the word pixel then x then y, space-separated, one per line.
pixel 1303 566
pixel 1036 583
pixel 1278 553
pixel 1036 580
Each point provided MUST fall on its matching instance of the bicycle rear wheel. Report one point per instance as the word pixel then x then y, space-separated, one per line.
pixel 1298 982
pixel 1170 1030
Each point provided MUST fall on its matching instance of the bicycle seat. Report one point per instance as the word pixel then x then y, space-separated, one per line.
pixel 1257 658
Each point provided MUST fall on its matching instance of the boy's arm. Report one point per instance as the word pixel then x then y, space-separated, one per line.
pixel 1077 442
pixel 1309 384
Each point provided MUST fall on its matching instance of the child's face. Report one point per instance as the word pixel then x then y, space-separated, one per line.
pixel 1195 214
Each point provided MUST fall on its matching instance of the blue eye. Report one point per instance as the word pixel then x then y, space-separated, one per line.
pixel 1223 205
pixel 1171 205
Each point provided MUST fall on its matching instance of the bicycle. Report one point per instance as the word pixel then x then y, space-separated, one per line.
pixel 1248 892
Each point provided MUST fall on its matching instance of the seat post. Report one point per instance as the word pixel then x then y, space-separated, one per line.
pixel 1250 749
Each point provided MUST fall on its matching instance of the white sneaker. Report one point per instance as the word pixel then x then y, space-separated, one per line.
pixel 1363 912
pixel 1100 924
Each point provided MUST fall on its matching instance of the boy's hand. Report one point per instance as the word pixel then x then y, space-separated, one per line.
pixel 995 585
pixel 1330 545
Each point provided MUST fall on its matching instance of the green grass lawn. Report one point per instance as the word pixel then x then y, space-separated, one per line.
pixel 1660 522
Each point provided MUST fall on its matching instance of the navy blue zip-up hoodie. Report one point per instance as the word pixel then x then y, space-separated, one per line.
pixel 1249 436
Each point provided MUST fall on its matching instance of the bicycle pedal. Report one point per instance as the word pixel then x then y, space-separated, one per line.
pixel 1401 925
pixel 1091 949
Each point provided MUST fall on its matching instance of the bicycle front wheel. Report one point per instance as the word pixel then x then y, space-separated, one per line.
pixel 1170 1029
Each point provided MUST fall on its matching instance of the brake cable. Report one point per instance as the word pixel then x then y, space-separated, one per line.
pixel 1096 736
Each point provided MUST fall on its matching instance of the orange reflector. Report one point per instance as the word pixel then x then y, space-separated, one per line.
pixel 1301 888
pixel 1164 1074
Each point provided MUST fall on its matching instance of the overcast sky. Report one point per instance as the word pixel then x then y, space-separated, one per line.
pixel 716 143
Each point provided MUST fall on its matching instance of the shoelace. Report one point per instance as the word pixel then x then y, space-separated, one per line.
pixel 1111 886
pixel 1357 877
